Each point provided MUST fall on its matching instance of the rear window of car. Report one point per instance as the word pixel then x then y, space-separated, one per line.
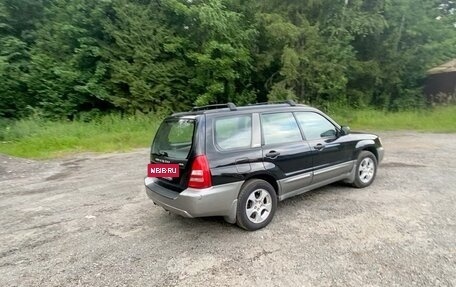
pixel 174 138
pixel 233 132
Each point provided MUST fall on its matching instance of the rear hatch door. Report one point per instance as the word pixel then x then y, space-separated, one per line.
pixel 173 143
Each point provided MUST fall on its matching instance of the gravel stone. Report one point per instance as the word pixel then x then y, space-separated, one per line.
pixel 85 220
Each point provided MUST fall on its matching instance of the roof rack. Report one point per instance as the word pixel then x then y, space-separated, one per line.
pixel 231 106
pixel 290 102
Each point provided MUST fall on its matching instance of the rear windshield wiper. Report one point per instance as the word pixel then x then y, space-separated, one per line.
pixel 161 153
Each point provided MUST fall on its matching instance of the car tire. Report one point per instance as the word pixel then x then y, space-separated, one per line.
pixel 366 169
pixel 257 203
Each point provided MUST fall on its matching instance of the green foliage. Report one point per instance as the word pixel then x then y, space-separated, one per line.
pixel 66 70
pixel 440 119
pixel 13 67
pixel 393 64
pixel 18 19
pixel 307 51
pixel 61 59
pixel 220 54
pixel 38 138
pixel 145 63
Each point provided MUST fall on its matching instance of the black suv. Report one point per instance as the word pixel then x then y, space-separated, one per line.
pixel 237 162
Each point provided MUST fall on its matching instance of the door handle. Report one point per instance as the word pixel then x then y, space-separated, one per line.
pixel 272 154
pixel 319 146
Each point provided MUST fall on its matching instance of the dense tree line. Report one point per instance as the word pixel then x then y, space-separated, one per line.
pixel 61 58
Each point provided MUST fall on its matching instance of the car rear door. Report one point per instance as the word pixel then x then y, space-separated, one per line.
pixel 285 153
pixel 233 146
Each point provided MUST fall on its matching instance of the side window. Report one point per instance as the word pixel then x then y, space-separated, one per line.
pixel 315 126
pixel 233 132
pixel 280 128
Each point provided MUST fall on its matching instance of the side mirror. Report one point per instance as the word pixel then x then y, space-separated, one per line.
pixel 344 130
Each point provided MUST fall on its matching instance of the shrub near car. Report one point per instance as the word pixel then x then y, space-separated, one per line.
pixel 238 162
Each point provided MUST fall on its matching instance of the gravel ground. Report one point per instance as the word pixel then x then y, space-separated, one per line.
pixel 86 221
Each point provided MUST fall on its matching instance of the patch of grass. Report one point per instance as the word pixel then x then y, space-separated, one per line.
pixel 35 138
pixel 46 139
pixel 439 119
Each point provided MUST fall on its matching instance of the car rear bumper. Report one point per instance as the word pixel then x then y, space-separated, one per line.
pixel 219 200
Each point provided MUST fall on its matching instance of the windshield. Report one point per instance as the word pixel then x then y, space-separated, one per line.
pixel 174 138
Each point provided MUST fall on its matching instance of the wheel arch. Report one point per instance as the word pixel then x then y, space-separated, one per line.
pixel 373 150
pixel 366 145
pixel 268 178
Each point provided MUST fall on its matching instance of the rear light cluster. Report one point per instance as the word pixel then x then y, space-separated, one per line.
pixel 200 174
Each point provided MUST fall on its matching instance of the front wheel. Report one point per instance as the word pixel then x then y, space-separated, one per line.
pixel 257 203
pixel 366 169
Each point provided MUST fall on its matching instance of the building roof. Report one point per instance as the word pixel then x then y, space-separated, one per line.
pixel 445 68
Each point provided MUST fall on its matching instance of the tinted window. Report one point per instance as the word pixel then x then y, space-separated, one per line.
pixel 174 138
pixel 233 132
pixel 280 128
pixel 315 126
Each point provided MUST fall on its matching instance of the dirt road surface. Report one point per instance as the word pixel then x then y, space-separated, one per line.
pixel 86 221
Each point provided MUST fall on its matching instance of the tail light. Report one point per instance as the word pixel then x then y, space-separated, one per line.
pixel 200 174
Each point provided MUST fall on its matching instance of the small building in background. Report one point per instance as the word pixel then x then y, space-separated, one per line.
pixel 440 84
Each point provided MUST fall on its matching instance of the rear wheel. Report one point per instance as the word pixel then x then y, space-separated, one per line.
pixel 366 169
pixel 257 203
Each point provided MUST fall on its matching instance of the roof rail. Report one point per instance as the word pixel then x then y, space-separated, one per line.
pixel 290 102
pixel 231 106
